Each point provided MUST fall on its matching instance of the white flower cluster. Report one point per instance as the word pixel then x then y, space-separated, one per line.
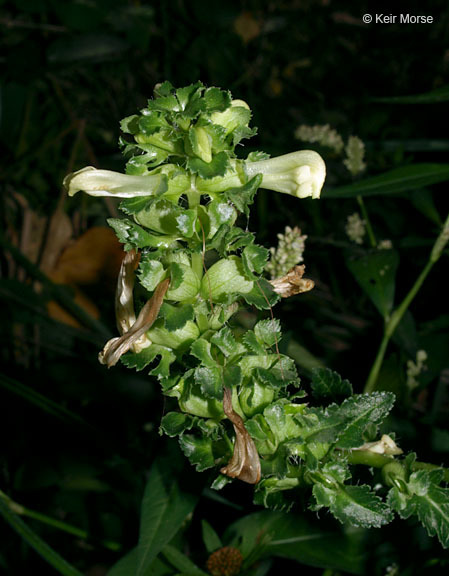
pixel 355 228
pixel 385 244
pixel 288 253
pixel 321 134
pixel 355 154
pixel 414 369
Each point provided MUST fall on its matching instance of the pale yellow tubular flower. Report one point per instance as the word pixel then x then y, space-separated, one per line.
pixel 108 183
pixel 385 446
pixel 299 174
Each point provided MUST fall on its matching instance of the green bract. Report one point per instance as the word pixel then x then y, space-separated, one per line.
pixel 236 400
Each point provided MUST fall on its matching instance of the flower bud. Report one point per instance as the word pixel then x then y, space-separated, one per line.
pixel 299 174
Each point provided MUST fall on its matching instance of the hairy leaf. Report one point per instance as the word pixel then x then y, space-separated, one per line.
pixel 328 385
pixel 426 499
pixel 357 505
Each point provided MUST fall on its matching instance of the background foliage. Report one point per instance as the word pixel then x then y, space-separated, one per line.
pixel 79 441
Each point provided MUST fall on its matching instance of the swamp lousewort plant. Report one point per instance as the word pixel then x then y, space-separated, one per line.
pixel 240 409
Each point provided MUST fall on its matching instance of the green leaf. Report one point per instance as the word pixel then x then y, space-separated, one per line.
pixel 426 499
pixel 181 562
pixel 184 285
pixel 232 376
pixel 175 423
pixel 361 412
pixel 210 538
pixel 252 343
pixel 39 545
pixel 299 538
pixel 134 236
pixel 225 341
pixel 216 167
pixel 375 272
pixel 150 273
pixel 243 196
pixel 151 122
pixel 254 258
pixel 328 385
pixel 441 94
pixel 176 317
pixel 164 509
pixel 356 505
pixel 262 295
pixel 268 331
pixel 126 565
pixel 209 378
pixel 225 277
pixel 198 450
pixel 201 349
pixel 402 179
pixel 216 99
pixel 134 205
pixel 130 124
pixel 142 359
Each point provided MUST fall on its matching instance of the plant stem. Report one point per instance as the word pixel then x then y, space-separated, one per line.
pixel 366 458
pixel 58 524
pixel 369 228
pixel 393 321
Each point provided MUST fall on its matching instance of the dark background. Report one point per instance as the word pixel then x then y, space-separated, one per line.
pixel 69 72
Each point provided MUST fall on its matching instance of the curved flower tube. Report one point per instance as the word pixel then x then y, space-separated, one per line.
pixel 299 174
pixel 108 183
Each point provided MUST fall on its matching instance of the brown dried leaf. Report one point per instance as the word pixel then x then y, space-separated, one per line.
pixel 116 347
pixel 245 462
pixel 292 283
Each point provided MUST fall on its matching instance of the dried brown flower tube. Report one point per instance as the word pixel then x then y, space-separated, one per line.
pixel 116 347
pixel 292 283
pixel 245 462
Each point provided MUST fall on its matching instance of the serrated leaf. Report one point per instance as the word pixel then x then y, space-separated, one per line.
pixel 216 167
pixel 175 423
pixel 328 385
pixel 232 376
pixel 130 124
pixel 133 205
pixel 268 331
pixel 217 100
pixel 134 236
pixel 209 379
pixel 426 499
pixel 375 272
pixel 152 122
pixel 142 359
pixel 176 316
pixel 225 341
pixel 357 505
pixel 199 451
pixel 243 196
pixel 220 213
pixel 225 277
pixel 254 258
pixel 360 412
pixel 184 285
pixel 150 273
pixel 164 509
pixel 257 156
pixel 262 295
pixel 201 349
pixel 252 343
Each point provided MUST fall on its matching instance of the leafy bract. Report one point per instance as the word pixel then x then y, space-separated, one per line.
pixel 329 386
pixel 423 497
pixel 357 505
